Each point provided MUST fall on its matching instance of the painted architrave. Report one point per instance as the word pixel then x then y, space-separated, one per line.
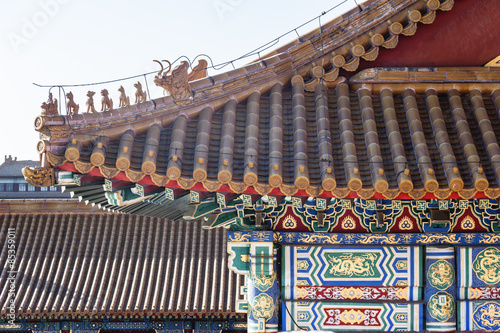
pixel 347 316
pixel 440 291
pixel 361 216
pixel 400 216
pixel 478 316
pixel 479 293
pixel 218 326
pixel 438 238
pixel 34 326
pixel 371 293
pixel 93 326
pixel 479 266
pixel 133 325
pixel 353 266
pixel 262 284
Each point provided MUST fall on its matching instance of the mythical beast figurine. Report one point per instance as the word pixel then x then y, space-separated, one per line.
pixel 39 176
pixel 175 84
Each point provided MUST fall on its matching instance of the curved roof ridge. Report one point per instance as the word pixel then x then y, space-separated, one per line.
pixel 339 45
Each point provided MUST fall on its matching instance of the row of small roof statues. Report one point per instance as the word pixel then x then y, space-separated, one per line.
pixel 51 108
pixel 175 84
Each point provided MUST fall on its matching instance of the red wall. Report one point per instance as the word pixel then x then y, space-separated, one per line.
pixel 468 35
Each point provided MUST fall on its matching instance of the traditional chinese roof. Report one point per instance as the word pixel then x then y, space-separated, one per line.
pixel 288 124
pixel 76 261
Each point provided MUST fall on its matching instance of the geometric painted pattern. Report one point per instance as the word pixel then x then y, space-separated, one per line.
pixel 347 316
pixel 350 266
pixel 400 216
pixel 310 238
pixel 479 293
pixel 357 293
pixel 88 327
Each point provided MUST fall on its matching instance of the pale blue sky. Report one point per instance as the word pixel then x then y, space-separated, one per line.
pixel 75 41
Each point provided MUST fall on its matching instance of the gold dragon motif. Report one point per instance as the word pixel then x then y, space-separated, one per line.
pixel 350 265
pixel 328 239
pixel 487 265
pixel 378 239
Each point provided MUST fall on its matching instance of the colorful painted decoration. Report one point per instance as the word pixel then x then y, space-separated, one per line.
pixel 159 326
pixel 263 282
pixel 479 293
pixel 263 296
pixel 487 265
pixel 479 266
pixel 441 274
pixel 263 306
pixel 350 215
pixel 399 216
pixel 357 293
pixel 441 306
pixel 306 238
pixel 487 316
pixel 352 316
pixel 356 266
pixel 239 257
pixel 479 316
pixel 124 197
pixel 440 292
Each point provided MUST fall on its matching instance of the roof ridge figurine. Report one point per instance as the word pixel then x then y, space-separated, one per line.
pixel 72 107
pixel 124 99
pixel 90 102
pixel 107 103
pixel 140 95
pixel 50 107
pixel 177 83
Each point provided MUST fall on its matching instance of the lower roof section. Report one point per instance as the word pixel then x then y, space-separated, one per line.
pixel 72 261
pixel 114 326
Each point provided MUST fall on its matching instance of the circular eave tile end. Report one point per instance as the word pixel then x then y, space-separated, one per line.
pixel 329 184
pixel 199 175
pixel 122 164
pixel 456 185
pixel 355 184
pixel 72 154
pixel 406 186
pixel 381 186
pixel 97 159
pixel 250 179
pixel 173 173
pixel 224 176
pixel 148 168
pixel 302 183
pixel 481 185
pixel 275 180
pixel 431 186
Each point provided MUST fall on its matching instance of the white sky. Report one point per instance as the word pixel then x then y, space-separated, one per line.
pixel 57 42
